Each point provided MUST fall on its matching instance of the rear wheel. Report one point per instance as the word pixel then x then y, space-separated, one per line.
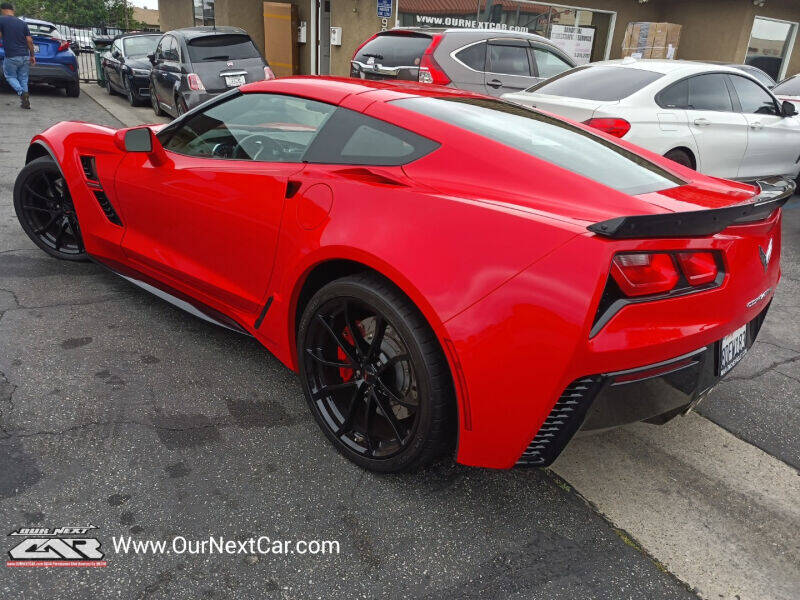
pixel 375 376
pixel 154 103
pixel 73 90
pixel 681 157
pixel 130 95
pixel 44 208
pixel 109 88
pixel 180 106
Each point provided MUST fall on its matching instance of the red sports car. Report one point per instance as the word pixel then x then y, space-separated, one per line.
pixel 445 271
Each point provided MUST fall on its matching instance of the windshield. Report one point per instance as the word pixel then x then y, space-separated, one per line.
pixel 222 47
pixel 788 87
pixel 141 45
pixel 597 83
pixel 550 139
pixel 394 50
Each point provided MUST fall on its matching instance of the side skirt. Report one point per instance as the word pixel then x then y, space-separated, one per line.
pixel 173 296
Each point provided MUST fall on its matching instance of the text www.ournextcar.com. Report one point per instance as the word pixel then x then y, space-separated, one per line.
pixel 219 545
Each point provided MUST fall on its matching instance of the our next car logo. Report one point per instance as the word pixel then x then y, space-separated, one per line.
pixel 765 255
pixel 58 547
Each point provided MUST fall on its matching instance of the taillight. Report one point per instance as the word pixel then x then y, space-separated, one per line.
pixel 644 274
pixel 615 127
pixel 268 74
pixel 195 83
pixel 63 46
pixel 429 69
pixel 698 267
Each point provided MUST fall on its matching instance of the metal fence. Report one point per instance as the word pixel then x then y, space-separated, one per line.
pixel 85 40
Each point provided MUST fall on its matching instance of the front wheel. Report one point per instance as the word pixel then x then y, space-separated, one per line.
pixel 375 376
pixel 130 95
pixel 44 208
pixel 154 103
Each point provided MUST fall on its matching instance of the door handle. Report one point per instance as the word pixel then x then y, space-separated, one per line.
pixel 756 125
pixel 495 83
pixel 702 122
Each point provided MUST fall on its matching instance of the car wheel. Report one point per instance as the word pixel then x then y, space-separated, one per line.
pixel 375 376
pixel 129 93
pixel 180 106
pixel 154 103
pixel 681 157
pixel 73 90
pixel 109 89
pixel 45 210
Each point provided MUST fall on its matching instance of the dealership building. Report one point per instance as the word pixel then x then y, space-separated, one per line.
pixel 320 36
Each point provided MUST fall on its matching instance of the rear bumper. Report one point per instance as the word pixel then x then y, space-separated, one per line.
pixel 55 74
pixel 193 98
pixel 653 393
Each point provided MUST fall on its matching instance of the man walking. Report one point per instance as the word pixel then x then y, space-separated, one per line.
pixel 18 45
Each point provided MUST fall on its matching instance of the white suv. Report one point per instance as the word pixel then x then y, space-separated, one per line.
pixel 712 118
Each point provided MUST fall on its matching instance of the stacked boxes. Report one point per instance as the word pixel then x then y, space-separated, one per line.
pixel 651 40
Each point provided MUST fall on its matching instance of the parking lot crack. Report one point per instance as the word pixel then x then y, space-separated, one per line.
pixel 764 371
pixel 219 424
pixel 7 389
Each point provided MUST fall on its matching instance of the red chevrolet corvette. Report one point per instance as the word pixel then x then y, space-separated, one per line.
pixel 444 270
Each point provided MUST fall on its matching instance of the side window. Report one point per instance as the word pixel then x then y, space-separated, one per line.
pixel 159 53
pixel 473 56
pixel 753 98
pixel 171 50
pixel 549 64
pixel 350 138
pixel 260 127
pixel 508 60
pixel 674 96
pixel 116 48
pixel 709 92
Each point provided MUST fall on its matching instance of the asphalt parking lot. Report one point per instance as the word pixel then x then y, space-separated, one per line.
pixel 120 411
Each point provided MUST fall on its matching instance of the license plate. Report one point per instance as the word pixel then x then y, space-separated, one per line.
pixel 731 349
pixel 36 48
pixel 234 80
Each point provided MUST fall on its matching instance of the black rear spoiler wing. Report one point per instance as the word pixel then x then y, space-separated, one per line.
pixel 773 193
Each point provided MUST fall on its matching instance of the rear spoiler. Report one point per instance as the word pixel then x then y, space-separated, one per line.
pixel 773 193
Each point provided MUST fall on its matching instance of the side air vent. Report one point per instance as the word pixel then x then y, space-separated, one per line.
pixel 89 167
pixel 561 424
pixel 107 207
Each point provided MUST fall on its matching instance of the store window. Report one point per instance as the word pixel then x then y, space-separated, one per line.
pixel 583 33
pixel 203 12
pixel 770 45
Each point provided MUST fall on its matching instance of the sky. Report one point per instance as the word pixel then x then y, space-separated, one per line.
pixel 145 3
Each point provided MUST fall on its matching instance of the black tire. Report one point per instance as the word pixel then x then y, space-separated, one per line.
pixel 130 95
pixel 109 87
pixel 681 157
pixel 403 373
pixel 180 106
pixel 44 209
pixel 159 112
pixel 73 90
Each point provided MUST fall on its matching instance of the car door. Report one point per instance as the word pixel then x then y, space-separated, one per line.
pixel 168 72
pixel 114 64
pixel 469 67
pixel 208 216
pixel 719 132
pixel 773 140
pixel 508 67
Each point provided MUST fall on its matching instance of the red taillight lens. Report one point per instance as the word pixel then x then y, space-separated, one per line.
pixel 195 83
pixel 268 74
pixel 615 127
pixel 698 267
pixel 429 69
pixel 644 274
pixel 63 46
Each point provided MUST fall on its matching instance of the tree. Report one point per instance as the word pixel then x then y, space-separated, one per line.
pixel 78 12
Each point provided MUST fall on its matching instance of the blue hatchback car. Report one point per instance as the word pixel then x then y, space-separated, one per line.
pixel 55 64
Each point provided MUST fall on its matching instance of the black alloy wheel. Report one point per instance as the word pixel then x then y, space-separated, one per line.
pixel 374 375
pixel 44 208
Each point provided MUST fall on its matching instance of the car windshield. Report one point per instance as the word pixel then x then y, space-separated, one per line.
pixel 788 87
pixel 597 83
pixel 550 139
pixel 140 45
pixel 222 47
pixel 394 50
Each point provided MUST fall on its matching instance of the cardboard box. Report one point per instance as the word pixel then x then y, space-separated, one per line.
pixel 651 40
pixel 280 38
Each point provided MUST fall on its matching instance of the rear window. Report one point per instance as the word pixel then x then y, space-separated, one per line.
pixel 790 87
pixel 42 29
pixel 550 139
pixel 597 83
pixel 222 47
pixel 394 50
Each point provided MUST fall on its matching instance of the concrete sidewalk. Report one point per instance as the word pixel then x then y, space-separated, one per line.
pixel 120 109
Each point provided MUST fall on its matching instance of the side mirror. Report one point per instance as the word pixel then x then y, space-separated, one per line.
pixel 139 140
pixel 788 109
pixel 152 58
pixel 116 54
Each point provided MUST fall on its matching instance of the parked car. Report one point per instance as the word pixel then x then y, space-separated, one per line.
pixel 764 78
pixel 788 89
pixel 602 284
pixel 715 119
pixel 127 68
pixel 195 64
pixel 56 64
pixel 479 60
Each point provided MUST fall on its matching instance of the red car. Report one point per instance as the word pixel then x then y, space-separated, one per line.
pixel 446 271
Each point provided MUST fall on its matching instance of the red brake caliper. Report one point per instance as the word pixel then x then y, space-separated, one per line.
pixel 345 373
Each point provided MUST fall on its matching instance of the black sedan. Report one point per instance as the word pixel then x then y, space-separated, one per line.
pixel 127 68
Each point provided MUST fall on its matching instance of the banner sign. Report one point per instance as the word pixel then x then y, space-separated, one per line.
pixel 575 41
